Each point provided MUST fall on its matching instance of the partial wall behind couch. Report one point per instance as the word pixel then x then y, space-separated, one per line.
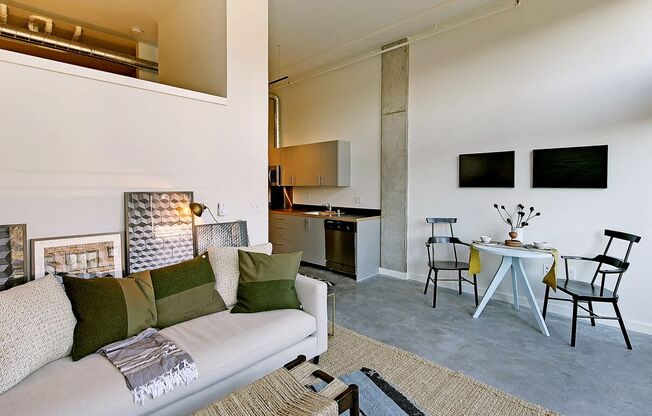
pixel 70 146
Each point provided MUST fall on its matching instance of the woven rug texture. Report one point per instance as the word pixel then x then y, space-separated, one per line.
pixel 436 389
pixel 273 395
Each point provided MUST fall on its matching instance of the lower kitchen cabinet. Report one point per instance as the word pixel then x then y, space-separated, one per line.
pixel 290 233
pixel 313 241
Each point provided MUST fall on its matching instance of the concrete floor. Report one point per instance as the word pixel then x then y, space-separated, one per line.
pixel 504 347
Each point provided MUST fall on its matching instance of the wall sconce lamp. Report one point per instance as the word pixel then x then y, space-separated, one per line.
pixel 199 208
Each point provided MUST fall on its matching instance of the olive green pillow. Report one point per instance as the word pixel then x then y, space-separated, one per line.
pixel 109 309
pixel 185 291
pixel 267 282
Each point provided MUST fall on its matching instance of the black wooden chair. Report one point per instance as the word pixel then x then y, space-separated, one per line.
pixel 436 266
pixel 585 292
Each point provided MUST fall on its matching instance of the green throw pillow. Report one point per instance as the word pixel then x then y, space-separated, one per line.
pixel 267 282
pixel 109 309
pixel 185 291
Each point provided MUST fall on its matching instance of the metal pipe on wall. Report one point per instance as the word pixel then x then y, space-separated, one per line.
pixel 277 119
pixel 68 45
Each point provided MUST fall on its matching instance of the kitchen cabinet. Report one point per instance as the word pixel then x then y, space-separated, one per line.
pixel 313 241
pixel 328 163
pixel 289 234
pixel 317 164
pixel 293 166
pixel 274 156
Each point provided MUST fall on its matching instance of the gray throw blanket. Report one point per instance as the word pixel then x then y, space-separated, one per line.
pixel 151 364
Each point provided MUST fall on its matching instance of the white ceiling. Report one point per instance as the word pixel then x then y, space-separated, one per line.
pixel 114 16
pixel 314 34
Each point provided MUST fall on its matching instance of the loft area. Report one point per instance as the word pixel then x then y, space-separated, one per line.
pixel 161 45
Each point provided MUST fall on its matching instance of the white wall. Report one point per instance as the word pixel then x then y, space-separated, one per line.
pixel 192 46
pixel 70 146
pixel 345 105
pixel 551 73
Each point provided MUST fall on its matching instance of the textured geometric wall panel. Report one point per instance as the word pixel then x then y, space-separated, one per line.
pixel 159 229
pixel 226 234
pixel 13 250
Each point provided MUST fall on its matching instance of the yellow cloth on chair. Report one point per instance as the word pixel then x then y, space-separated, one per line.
pixel 550 278
pixel 474 261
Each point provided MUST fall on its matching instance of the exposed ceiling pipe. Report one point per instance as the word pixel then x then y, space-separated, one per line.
pixel 68 45
pixel 277 119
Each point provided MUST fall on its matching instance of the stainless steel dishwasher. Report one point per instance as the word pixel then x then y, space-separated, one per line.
pixel 340 246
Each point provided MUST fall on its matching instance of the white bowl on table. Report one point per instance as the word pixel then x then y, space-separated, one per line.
pixel 542 245
pixel 485 239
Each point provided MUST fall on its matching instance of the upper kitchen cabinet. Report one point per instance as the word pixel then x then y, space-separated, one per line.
pixel 329 163
pixel 274 156
pixel 293 166
pixel 324 164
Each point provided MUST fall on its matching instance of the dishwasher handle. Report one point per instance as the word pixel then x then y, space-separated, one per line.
pixel 343 226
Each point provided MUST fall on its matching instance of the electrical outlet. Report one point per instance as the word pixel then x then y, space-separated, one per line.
pixel 546 268
pixel 358 200
pixel 309 196
pixel 254 209
pixel 221 210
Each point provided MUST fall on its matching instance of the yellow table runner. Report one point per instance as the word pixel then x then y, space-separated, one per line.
pixel 549 279
pixel 474 261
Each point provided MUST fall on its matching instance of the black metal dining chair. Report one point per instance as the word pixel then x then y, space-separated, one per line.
pixel 435 266
pixel 585 292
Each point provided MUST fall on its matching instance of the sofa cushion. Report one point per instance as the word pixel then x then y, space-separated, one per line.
pixel 109 309
pixel 221 345
pixel 267 282
pixel 185 291
pixel 36 327
pixel 226 268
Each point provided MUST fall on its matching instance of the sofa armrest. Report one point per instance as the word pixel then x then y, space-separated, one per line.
pixel 312 295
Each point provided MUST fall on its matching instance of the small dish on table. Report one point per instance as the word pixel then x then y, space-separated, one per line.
pixel 542 245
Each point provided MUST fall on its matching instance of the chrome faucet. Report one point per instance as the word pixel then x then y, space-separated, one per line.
pixel 328 206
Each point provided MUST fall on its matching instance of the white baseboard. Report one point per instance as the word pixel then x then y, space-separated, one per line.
pixel 394 274
pixel 554 308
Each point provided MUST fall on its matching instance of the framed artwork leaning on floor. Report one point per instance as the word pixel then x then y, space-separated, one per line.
pixel 13 255
pixel 160 229
pixel 84 256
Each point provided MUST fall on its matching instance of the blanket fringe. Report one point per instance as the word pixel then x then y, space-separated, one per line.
pixel 182 374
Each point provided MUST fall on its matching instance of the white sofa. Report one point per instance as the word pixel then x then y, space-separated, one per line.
pixel 231 350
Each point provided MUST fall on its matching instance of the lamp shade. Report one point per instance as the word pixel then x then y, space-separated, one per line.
pixel 197 208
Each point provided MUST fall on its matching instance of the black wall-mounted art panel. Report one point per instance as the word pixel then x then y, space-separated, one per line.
pixel 487 170
pixel 570 167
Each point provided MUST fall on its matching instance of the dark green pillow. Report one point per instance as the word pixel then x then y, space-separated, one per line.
pixel 267 282
pixel 109 309
pixel 185 291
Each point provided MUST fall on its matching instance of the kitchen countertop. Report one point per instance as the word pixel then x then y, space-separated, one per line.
pixel 344 217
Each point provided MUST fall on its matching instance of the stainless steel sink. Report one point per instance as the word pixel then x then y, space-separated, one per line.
pixel 322 213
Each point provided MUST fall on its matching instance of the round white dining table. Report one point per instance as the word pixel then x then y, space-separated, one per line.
pixel 511 260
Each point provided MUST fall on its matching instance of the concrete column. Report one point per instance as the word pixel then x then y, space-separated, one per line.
pixel 394 158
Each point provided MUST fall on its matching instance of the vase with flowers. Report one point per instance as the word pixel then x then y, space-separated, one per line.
pixel 518 220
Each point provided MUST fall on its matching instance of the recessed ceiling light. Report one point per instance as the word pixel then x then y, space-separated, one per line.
pixel 136 31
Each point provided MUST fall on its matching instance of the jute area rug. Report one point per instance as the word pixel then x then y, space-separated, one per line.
pixel 436 389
